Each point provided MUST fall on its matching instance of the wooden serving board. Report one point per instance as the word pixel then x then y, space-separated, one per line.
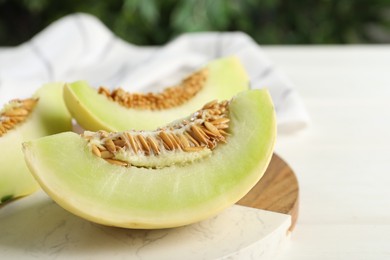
pixel 277 191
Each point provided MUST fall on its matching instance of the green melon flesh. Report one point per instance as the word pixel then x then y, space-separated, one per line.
pixel 177 195
pixel 95 112
pixel 49 116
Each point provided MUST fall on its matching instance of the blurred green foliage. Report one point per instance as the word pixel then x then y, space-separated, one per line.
pixel 151 22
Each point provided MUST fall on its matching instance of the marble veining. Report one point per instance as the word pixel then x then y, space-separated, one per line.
pixel 37 228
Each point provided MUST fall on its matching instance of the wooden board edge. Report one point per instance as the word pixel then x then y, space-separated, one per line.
pixel 277 191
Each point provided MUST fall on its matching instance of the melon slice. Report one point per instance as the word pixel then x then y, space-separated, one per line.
pixel 186 182
pixel 21 120
pixel 118 111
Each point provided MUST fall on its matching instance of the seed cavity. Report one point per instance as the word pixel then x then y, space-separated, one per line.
pixel 168 98
pixel 181 142
pixel 14 113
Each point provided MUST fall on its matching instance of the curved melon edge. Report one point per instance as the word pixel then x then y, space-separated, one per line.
pixel 93 111
pixel 217 204
pixel 48 117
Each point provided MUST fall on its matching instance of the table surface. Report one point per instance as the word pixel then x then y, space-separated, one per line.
pixel 342 159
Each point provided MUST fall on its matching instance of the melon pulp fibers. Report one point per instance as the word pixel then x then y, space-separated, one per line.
pixel 93 111
pixel 49 116
pixel 177 195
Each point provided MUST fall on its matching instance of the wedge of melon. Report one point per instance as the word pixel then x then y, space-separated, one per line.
pixel 93 111
pixel 172 195
pixel 48 116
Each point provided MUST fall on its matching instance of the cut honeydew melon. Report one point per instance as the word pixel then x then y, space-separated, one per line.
pixel 22 120
pixel 126 192
pixel 118 111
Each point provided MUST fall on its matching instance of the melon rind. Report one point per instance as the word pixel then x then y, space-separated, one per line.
pixel 131 197
pixel 92 111
pixel 49 116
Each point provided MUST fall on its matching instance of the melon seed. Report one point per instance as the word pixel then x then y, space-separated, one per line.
pixel 15 112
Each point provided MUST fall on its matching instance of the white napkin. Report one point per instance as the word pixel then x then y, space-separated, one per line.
pixel 79 46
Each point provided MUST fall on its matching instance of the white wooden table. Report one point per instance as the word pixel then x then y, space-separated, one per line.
pixel 342 159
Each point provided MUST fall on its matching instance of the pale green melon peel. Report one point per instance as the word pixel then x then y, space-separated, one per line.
pixel 172 196
pixel 95 112
pixel 49 116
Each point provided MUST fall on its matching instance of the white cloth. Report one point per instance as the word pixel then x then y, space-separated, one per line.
pixel 79 46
